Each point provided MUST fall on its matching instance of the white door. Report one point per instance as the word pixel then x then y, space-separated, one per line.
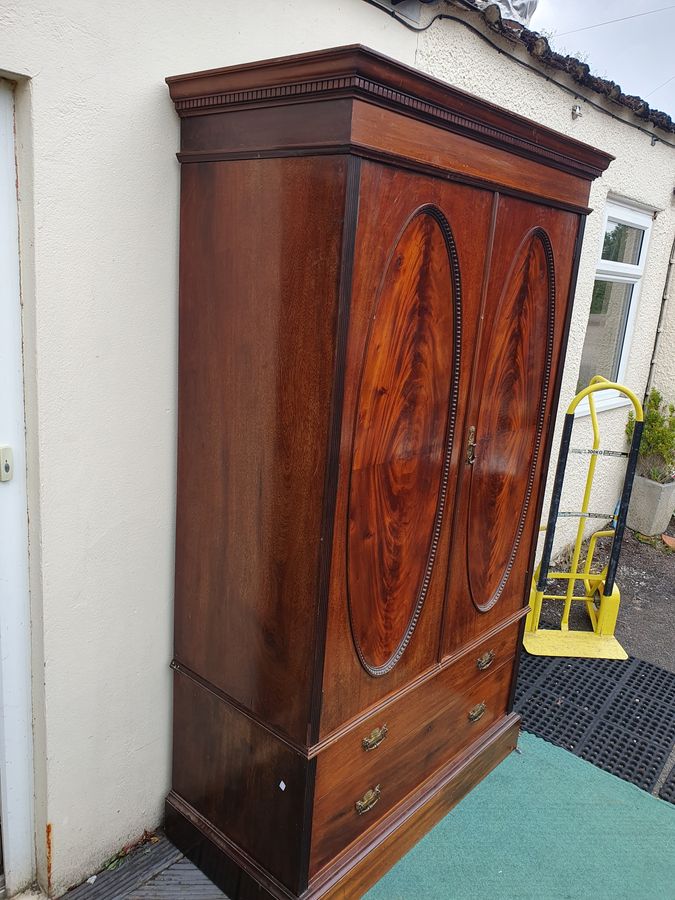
pixel 16 758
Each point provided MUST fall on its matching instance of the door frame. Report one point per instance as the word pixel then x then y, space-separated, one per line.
pixel 16 721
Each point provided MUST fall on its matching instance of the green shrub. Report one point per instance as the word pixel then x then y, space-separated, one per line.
pixel 656 459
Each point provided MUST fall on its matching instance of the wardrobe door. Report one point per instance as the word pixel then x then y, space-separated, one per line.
pixel 415 294
pixel 508 415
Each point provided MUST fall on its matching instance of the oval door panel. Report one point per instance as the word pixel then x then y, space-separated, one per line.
pixel 400 455
pixel 510 419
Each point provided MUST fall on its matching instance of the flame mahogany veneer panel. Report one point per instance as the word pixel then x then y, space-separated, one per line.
pixel 399 454
pixel 389 199
pixel 512 402
pixel 510 417
pixel 374 268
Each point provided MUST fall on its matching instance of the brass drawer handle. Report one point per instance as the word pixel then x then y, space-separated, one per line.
pixel 369 800
pixel 485 661
pixel 476 713
pixel 375 738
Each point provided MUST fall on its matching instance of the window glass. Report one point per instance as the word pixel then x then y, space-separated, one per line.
pixel 606 331
pixel 622 243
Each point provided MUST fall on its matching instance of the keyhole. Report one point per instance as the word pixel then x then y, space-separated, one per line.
pixel 6 467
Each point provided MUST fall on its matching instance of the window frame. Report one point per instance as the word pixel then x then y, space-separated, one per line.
pixel 622 273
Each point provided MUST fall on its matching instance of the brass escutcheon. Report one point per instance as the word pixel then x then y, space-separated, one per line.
pixel 369 800
pixel 471 446
pixel 486 660
pixel 375 738
pixel 477 711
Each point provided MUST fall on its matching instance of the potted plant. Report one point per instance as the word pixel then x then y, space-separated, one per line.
pixel 653 499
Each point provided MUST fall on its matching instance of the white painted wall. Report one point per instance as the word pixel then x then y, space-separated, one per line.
pixel 98 199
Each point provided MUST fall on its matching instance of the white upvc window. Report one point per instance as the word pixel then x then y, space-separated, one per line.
pixel 614 304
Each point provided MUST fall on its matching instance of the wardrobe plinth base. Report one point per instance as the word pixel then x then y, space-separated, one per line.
pixel 352 873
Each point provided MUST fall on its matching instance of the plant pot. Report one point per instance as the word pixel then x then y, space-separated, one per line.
pixel 651 505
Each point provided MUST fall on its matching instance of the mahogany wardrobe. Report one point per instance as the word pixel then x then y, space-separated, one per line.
pixel 376 277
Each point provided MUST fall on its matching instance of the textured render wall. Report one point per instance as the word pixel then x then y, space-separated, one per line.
pixel 640 173
pixel 664 367
pixel 97 138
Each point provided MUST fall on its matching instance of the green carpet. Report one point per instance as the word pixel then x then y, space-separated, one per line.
pixel 545 824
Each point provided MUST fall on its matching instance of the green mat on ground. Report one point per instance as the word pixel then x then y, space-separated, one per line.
pixel 544 824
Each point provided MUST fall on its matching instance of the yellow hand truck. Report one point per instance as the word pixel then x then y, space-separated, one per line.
pixel 601 593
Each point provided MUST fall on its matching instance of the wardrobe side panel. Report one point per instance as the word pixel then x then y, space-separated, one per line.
pixel 247 783
pixel 259 272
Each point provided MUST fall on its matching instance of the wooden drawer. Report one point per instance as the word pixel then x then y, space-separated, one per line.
pixel 425 729
pixel 489 653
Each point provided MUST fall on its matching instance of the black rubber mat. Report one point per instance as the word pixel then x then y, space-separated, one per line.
pixel 619 715
pixel 667 791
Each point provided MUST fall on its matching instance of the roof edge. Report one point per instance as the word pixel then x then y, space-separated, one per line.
pixel 539 48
